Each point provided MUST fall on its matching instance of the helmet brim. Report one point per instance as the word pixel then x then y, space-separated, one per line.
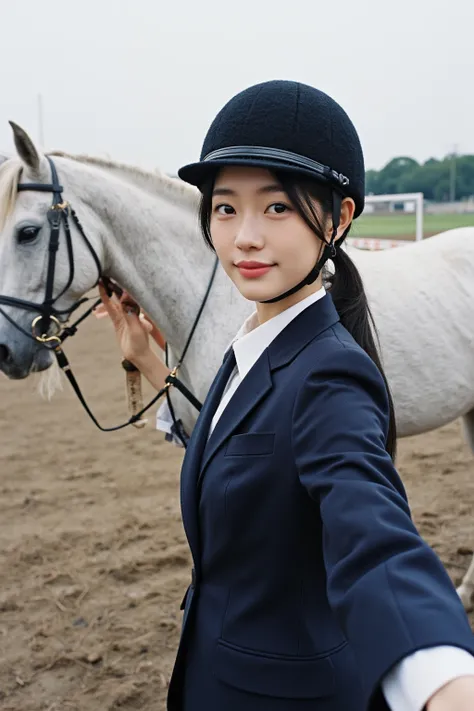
pixel 198 174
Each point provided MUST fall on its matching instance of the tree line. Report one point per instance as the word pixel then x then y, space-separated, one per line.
pixel 449 179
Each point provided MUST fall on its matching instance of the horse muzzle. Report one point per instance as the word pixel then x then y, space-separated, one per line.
pixel 20 356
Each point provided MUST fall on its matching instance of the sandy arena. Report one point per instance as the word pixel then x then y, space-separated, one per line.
pixel 93 557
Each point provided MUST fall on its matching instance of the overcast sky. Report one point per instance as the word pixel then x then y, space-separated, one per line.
pixel 141 80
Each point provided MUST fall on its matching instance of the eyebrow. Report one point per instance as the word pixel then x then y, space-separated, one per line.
pixel 272 188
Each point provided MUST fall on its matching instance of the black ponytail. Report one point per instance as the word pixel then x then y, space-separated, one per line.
pixel 344 283
pixel 347 290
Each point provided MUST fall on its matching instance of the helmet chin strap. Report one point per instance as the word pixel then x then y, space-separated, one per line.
pixel 329 252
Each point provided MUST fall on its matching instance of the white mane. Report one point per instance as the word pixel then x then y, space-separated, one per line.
pixel 10 172
pixel 156 183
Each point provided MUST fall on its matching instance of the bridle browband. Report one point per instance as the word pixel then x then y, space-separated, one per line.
pixel 50 327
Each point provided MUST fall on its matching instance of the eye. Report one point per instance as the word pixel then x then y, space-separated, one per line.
pixel 278 208
pixel 224 209
pixel 27 234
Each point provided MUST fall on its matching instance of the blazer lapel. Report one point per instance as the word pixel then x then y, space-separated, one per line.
pixel 307 326
pixel 249 393
pixel 192 459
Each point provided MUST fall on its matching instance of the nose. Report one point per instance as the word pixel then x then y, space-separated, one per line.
pixel 5 354
pixel 249 234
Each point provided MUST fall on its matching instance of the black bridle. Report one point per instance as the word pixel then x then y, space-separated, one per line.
pixel 50 327
pixel 47 326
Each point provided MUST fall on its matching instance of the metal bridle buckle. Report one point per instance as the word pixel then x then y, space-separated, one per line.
pixel 60 205
pixel 172 376
pixel 44 338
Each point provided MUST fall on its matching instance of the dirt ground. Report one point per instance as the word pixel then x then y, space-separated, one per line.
pixel 93 559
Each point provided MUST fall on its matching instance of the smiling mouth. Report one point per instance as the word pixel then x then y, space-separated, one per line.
pixel 253 270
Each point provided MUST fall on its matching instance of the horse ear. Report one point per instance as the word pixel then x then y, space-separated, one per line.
pixel 26 148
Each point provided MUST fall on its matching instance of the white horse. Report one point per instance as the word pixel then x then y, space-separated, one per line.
pixel 144 230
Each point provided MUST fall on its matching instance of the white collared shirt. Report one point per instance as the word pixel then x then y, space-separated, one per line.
pixel 414 680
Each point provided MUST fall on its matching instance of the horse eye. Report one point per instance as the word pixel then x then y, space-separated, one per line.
pixel 27 234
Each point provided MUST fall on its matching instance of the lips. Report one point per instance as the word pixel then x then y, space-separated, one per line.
pixel 252 264
pixel 253 270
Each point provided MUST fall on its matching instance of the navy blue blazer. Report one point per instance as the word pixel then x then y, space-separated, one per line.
pixel 310 580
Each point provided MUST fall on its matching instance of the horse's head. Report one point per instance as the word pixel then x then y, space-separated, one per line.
pixel 46 261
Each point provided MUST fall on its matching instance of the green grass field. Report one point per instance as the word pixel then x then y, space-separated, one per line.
pixel 402 226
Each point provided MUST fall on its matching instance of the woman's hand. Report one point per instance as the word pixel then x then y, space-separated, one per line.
pixel 132 329
pixel 457 695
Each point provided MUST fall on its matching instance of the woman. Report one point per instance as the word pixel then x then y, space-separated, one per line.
pixel 311 587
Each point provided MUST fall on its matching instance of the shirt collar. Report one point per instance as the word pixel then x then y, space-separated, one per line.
pixel 252 339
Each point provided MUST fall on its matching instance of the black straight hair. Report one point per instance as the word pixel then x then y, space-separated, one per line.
pixel 344 282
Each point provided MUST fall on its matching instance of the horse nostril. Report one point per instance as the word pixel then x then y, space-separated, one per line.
pixel 5 355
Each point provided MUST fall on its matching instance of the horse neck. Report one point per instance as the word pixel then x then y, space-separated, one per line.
pixel 152 245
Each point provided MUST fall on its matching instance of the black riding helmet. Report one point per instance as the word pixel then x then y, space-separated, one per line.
pixel 285 125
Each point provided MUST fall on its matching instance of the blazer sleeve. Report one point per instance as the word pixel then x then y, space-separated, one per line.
pixel 388 589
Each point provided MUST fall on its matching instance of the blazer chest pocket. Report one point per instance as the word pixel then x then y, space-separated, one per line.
pixel 251 445
pixel 287 678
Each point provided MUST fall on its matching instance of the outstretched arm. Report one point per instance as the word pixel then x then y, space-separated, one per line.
pixel 389 591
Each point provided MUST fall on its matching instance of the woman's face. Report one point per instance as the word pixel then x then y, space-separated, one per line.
pixel 263 244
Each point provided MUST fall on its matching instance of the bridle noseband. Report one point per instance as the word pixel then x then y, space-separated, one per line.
pixel 50 327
